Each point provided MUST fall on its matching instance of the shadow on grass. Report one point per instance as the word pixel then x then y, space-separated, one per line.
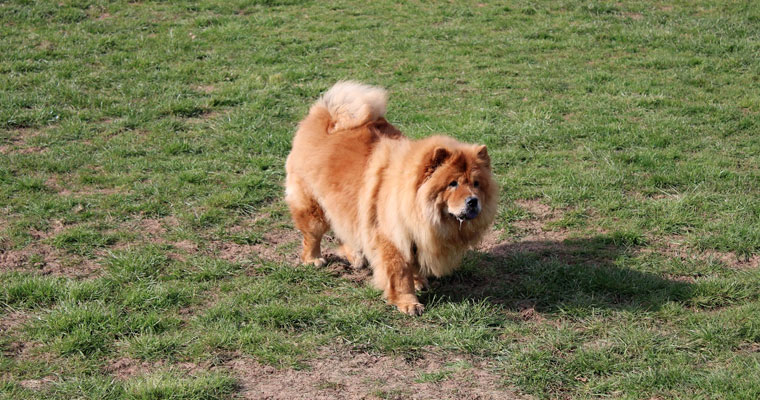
pixel 574 276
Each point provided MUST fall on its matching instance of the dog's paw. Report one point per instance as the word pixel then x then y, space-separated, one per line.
pixel 412 309
pixel 355 258
pixel 421 283
pixel 317 262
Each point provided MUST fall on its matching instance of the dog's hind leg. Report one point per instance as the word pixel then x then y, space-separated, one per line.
pixel 309 218
pixel 355 258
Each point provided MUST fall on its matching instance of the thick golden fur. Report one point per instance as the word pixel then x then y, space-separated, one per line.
pixel 406 206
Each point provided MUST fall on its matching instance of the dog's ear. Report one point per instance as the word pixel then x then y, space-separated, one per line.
pixel 483 155
pixel 433 160
pixel 438 157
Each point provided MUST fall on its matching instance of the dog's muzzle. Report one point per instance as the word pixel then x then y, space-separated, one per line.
pixel 472 207
pixel 470 211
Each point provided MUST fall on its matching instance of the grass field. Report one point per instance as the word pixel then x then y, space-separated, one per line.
pixel 146 252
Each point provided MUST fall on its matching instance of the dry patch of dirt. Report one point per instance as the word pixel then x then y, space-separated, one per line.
pixel 89 192
pixel 750 347
pixel 675 247
pixel 532 234
pixel 186 313
pixel 344 374
pixel 126 367
pixel 356 375
pixel 154 230
pixel 47 260
pixel 31 150
pixel 205 116
pixel 341 267
pixel 45 45
pixel 186 245
pixel 10 325
pixel 150 227
pixel 63 187
pixel 20 349
pixel 284 246
pixel 207 88
pixel 56 227
pixel 680 278
pixel 634 16
pixel 18 143
pixel 529 313
pixel 9 322
pixel 11 149
pixel 269 249
pixel 490 240
pixel 37 384
pixel 534 228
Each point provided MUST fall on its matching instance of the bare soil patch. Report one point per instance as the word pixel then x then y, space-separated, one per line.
pixel 270 248
pixel 675 247
pixel 634 15
pixel 47 260
pixel 56 227
pixel 207 88
pixel 150 227
pixel 23 350
pixel 89 192
pixel 125 368
pixel 529 313
pixel 11 321
pixel 534 228
pixel 358 375
pixel 204 116
pixel 44 259
pixel 186 247
pixel 36 384
pixel 341 267
pixel 18 143
pixel 531 235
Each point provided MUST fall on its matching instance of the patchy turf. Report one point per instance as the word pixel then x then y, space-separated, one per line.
pixel 344 374
pixel 145 251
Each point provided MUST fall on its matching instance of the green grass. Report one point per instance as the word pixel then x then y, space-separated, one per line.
pixel 147 141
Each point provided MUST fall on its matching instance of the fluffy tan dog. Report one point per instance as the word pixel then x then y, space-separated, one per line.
pixel 411 208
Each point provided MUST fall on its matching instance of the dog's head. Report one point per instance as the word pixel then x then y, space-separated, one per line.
pixel 457 183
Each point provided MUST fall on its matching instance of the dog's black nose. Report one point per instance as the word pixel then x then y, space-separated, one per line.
pixel 471 202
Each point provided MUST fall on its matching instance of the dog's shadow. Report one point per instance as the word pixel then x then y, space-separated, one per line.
pixel 572 276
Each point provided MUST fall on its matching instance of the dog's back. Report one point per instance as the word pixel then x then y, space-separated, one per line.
pixel 327 162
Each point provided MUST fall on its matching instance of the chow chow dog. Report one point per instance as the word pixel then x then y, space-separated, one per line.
pixel 411 208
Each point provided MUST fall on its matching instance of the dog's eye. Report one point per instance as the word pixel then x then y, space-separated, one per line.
pixel 476 184
pixel 453 184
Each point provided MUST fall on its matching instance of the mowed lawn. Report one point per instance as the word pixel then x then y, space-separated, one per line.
pixel 146 252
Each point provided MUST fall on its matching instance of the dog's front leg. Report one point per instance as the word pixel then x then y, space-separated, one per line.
pixel 396 277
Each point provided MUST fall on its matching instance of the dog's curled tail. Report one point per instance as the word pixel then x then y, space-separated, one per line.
pixel 351 104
